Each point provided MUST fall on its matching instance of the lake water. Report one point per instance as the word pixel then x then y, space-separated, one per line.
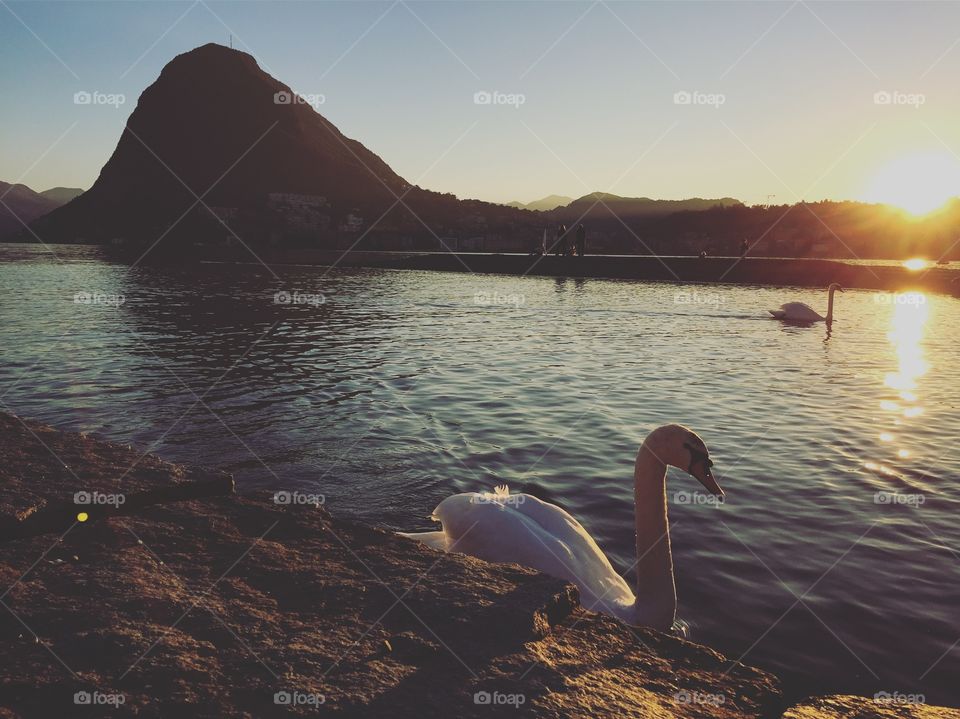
pixel 400 388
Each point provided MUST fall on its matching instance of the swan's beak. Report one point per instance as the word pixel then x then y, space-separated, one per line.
pixel 706 478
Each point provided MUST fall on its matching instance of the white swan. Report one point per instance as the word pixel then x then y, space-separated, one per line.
pixel 802 312
pixel 521 529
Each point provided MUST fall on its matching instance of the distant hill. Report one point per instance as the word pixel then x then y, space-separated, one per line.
pixel 603 204
pixel 19 201
pixel 216 126
pixel 62 195
pixel 550 202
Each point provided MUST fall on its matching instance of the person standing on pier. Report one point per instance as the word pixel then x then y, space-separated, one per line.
pixel 581 244
pixel 744 247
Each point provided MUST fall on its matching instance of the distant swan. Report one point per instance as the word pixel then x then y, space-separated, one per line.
pixel 802 312
pixel 521 529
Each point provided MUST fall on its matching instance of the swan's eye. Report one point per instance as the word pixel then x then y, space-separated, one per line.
pixel 698 456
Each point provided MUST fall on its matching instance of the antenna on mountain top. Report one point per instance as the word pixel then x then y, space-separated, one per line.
pixel 231 41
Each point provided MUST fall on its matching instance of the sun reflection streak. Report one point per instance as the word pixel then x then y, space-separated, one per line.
pixel 909 322
pixel 908 326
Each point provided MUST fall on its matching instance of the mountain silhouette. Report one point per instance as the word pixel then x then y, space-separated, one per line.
pixel 598 205
pixel 62 195
pixel 21 205
pixel 550 202
pixel 215 126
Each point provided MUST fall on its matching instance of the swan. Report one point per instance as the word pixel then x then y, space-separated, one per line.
pixel 802 312
pixel 521 529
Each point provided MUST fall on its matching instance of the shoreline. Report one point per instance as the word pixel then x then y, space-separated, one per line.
pixel 186 596
pixel 758 271
pixel 780 272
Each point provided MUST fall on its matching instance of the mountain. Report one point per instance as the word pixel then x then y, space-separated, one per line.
pixel 215 126
pixel 19 201
pixel 550 202
pixel 62 195
pixel 598 205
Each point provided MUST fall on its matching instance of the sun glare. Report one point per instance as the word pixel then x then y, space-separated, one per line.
pixel 915 264
pixel 918 183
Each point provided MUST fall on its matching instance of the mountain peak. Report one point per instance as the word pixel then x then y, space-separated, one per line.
pixel 213 53
pixel 215 126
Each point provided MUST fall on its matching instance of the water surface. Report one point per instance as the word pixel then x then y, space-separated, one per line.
pixel 400 388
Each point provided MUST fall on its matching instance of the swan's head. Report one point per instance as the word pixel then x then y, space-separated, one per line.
pixel 678 446
pixel 835 286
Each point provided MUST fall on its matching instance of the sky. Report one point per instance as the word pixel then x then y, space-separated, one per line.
pixel 762 101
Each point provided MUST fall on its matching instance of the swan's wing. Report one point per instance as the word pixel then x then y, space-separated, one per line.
pixel 799 311
pixel 524 530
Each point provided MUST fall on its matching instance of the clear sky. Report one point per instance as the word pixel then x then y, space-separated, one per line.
pixel 797 82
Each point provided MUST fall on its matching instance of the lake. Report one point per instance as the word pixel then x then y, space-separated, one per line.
pixel 834 561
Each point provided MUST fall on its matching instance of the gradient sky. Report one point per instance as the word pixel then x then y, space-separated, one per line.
pixel 798 119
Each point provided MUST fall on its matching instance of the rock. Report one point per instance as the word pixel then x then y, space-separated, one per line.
pixel 841 706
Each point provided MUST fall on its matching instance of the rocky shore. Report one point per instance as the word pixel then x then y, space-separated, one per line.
pixel 135 587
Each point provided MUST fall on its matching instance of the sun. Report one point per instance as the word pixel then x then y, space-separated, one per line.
pixel 918 183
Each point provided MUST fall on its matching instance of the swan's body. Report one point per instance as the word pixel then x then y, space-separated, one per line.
pixel 802 312
pixel 521 529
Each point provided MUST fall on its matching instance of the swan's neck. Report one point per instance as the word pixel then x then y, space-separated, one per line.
pixel 830 304
pixel 656 600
